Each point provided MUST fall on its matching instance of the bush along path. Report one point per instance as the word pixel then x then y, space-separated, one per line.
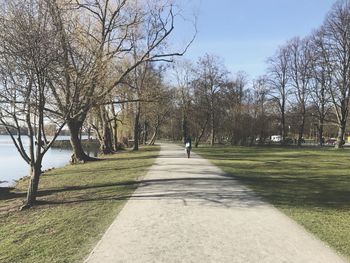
pixel 187 210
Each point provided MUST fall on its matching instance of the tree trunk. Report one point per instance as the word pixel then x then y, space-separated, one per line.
pixel 115 134
pixel 283 126
pixel 212 133
pixel 89 133
pixel 301 129
pixel 322 115
pixel 78 156
pixel 136 127
pixel 184 125
pixel 341 133
pixel 114 129
pixel 198 139
pixel 154 136
pixel 106 144
pixel 35 172
pixel 145 133
pixel 320 132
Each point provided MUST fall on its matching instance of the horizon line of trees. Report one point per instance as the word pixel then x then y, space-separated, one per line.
pixel 305 91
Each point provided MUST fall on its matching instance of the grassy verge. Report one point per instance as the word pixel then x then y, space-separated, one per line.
pixel 76 205
pixel 312 186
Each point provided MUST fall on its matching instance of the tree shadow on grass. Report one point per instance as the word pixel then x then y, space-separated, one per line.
pixel 209 191
pixel 130 157
pixel 287 190
pixel 117 168
pixel 300 192
pixel 7 193
pixel 219 191
pixel 290 178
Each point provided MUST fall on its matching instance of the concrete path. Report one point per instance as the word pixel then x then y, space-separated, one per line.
pixel 186 210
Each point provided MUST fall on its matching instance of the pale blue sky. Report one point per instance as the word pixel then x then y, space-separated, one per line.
pixel 246 32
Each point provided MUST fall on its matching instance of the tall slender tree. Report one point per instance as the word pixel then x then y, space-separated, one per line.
pixel 211 75
pixel 336 37
pixel 299 71
pixel 278 81
pixel 321 81
pixel 29 59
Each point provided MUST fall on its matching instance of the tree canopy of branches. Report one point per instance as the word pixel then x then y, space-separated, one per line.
pixel 29 59
pixel 102 42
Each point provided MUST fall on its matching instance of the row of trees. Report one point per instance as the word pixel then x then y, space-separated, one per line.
pixel 211 105
pixel 306 87
pixel 312 75
pixel 77 63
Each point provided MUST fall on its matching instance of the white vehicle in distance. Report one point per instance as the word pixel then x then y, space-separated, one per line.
pixel 276 138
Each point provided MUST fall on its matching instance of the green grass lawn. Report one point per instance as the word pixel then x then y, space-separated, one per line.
pixel 312 186
pixel 75 207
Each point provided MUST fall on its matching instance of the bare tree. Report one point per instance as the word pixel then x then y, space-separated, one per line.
pixel 336 37
pixel 210 78
pixel 183 71
pixel 236 95
pixel 299 71
pixel 161 105
pixel 278 81
pixel 260 90
pixel 95 35
pixel 321 82
pixel 28 62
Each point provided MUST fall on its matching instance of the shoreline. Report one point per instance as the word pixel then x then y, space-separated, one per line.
pixel 87 144
pixel 66 222
pixel 16 169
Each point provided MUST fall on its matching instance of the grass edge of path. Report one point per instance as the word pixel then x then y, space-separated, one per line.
pixel 87 198
pixel 325 219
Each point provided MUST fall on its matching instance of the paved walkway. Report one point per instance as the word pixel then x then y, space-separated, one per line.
pixel 186 210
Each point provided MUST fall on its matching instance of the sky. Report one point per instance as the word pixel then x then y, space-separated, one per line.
pixel 246 32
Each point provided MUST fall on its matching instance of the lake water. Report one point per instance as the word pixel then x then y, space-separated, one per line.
pixel 13 167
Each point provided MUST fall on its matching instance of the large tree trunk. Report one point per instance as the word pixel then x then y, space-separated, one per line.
pixel 154 136
pixel 320 132
pixel 342 124
pixel 114 129
pixel 322 115
pixel 283 126
pixel 35 172
pixel 106 143
pixel 184 126
pixel 78 156
pixel 136 127
pixel 145 133
pixel 341 134
pixel 198 139
pixel 212 132
pixel 106 146
pixel 115 134
pixel 301 129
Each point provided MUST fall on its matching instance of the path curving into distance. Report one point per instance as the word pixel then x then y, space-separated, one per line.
pixel 187 210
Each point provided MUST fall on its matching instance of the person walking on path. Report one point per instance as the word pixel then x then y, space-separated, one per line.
pixel 188 146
